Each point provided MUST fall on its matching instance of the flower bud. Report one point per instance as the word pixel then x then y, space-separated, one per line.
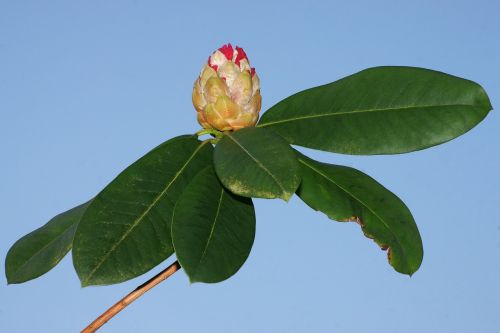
pixel 226 95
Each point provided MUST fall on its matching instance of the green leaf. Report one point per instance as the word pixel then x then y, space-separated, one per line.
pixel 255 162
pixel 381 110
pixel 346 194
pixel 212 230
pixel 126 230
pixel 39 251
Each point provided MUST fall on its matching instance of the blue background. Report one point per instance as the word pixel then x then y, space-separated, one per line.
pixel 87 87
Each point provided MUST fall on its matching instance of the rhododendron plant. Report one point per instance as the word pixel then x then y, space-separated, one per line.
pixel 192 195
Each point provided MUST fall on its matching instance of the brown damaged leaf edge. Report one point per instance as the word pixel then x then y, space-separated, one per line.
pixel 330 183
pixel 383 246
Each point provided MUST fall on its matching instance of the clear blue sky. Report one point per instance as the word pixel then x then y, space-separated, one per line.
pixel 87 87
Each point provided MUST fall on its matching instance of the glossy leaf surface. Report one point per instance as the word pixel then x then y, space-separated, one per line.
pixel 39 251
pixel 213 229
pixel 126 230
pixel 346 194
pixel 381 110
pixel 255 162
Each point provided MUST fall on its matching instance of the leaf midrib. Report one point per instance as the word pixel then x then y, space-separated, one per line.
pixel 355 111
pixel 360 201
pixel 213 228
pixel 146 211
pixel 259 163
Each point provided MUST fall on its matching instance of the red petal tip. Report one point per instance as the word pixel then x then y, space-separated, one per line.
pixel 227 50
pixel 241 55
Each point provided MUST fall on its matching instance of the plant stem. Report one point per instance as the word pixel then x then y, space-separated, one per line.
pixel 213 132
pixel 138 292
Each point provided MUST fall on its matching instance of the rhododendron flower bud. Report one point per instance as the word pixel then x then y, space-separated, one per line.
pixel 227 93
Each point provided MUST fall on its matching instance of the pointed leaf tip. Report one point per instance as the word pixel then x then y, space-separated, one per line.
pixel 39 251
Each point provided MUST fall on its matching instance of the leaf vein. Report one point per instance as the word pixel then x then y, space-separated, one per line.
pixel 259 163
pixel 328 114
pixel 359 200
pixel 137 221
pixel 213 227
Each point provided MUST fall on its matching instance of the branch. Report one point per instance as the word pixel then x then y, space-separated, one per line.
pixel 138 292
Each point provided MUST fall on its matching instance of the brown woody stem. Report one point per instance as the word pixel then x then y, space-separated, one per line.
pixel 138 292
